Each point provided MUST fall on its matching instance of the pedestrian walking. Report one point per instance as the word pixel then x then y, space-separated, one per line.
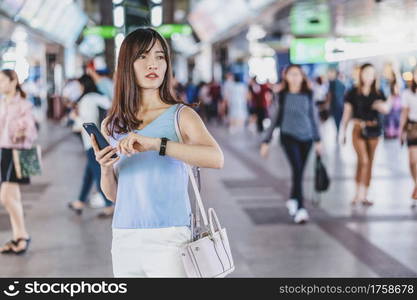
pixel 17 131
pixel 365 105
pixel 88 111
pixel 298 119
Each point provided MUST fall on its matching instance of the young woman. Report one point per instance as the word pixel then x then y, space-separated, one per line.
pixel 148 181
pixel 365 104
pixel 17 131
pixel 298 120
pixel 88 107
pixel 408 129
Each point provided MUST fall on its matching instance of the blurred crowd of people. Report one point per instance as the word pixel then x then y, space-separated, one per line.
pixel 233 103
pixel 238 104
pixel 378 104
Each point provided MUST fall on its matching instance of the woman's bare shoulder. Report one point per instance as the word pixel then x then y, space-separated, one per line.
pixel 188 114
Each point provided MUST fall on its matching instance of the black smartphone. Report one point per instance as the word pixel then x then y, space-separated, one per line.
pixel 102 143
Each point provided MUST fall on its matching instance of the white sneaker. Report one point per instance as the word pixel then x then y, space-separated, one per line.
pixel 292 206
pixel 97 201
pixel 301 216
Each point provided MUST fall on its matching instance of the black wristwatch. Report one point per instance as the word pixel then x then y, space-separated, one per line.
pixel 163 148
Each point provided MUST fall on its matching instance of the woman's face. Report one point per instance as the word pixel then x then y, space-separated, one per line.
pixel 6 85
pixel 150 67
pixel 368 76
pixel 294 77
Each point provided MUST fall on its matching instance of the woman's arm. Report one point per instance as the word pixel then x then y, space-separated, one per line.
pixel 199 147
pixel 403 121
pixel 274 123
pixel 315 123
pixel 314 119
pixel 26 129
pixel 383 107
pixel 264 148
pixel 108 181
pixel 347 115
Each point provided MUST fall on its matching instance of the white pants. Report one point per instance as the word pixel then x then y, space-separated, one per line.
pixel 149 252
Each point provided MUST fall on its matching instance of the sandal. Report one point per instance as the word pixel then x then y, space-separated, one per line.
pixel 78 211
pixel 10 245
pixel 21 251
pixel 366 202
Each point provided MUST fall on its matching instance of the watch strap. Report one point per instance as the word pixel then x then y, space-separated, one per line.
pixel 162 149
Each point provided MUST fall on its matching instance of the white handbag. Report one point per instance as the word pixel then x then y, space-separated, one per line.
pixel 208 255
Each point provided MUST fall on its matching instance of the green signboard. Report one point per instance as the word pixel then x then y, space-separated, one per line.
pixel 308 50
pixel 320 50
pixel 106 32
pixel 167 30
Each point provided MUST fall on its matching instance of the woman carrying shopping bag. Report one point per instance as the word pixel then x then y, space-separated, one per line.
pixel 408 131
pixel 148 181
pixel 321 180
pixel 365 104
pixel 17 131
pixel 298 119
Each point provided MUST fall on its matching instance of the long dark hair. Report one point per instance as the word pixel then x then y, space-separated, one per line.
pixel 413 86
pixel 122 117
pixel 305 89
pixel 88 85
pixel 374 89
pixel 12 75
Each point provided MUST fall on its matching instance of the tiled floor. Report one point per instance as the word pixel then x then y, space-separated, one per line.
pixel 248 195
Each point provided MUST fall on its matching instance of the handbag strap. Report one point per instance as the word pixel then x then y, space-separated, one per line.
pixel 189 171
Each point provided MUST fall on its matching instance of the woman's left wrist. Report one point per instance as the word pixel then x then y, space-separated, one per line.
pixel 157 144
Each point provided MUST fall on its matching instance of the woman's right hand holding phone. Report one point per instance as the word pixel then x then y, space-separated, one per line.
pixel 103 156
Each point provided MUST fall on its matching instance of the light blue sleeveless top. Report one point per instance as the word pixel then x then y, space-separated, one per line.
pixel 152 190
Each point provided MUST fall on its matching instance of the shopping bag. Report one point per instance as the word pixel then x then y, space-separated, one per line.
pixel 27 162
pixel 321 178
